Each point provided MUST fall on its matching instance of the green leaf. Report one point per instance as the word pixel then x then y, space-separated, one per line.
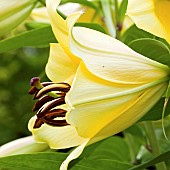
pixel 51 161
pixel 163 157
pixel 93 26
pixel 35 38
pixel 167 93
pixel 134 33
pixel 35 25
pixel 82 2
pixel 136 132
pixel 99 164
pixel 152 49
pixel 41 161
pixel 122 10
pixel 156 112
pixel 114 148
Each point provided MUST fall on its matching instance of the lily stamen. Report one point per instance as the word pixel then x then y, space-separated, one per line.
pixel 51 105
pixel 50 95
pixel 41 102
pixel 53 87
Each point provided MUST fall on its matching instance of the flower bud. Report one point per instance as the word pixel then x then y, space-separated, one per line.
pixel 12 13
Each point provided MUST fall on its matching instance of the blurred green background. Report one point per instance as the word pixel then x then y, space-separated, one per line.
pixel 16 69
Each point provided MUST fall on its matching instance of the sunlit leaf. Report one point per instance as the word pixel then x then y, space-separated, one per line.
pixel 41 161
pixel 134 33
pixel 49 161
pixel 152 49
pixel 122 10
pixel 114 148
pixel 35 38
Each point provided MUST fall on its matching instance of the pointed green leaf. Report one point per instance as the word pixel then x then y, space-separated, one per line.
pixel 134 33
pixel 41 161
pixel 113 148
pixel 51 161
pixel 163 157
pixel 93 26
pixel 99 164
pixel 122 10
pixel 156 112
pixel 35 38
pixel 152 49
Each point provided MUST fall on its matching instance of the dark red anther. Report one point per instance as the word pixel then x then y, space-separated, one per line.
pixel 56 102
pixel 56 113
pixel 38 123
pixel 54 122
pixel 41 102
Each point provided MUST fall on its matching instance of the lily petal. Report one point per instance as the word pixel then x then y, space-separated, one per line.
pixel 73 155
pixel 59 62
pixel 59 26
pixel 114 102
pixel 152 16
pixel 57 22
pixel 56 137
pixel 112 60
pixel 137 109
pixel 12 13
pixel 23 145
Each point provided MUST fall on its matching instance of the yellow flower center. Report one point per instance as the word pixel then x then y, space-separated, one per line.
pixel 162 11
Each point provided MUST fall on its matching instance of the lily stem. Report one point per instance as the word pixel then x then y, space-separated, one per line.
pixel 117 20
pixel 149 127
pixel 108 17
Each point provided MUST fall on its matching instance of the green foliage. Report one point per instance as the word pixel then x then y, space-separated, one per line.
pixel 122 10
pixel 49 161
pixel 112 148
pixel 34 38
pixel 134 33
pixel 111 153
pixel 156 112
pixel 152 49
pixel 102 156
pixel 163 157
pixel 82 2
pixel 15 102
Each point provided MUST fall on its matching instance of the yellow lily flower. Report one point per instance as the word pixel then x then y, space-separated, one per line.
pixel 111 87
pixel 152 16
pixel 12 13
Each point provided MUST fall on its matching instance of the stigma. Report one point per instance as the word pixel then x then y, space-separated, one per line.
pixel 50 97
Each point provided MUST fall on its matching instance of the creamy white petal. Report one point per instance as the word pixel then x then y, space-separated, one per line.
pixel 56 137
pixel 22 146
pixel 98 102
pixel 112 60
pixel 60 67
pixel 73 155
pixel 141 106
pixel 151 16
